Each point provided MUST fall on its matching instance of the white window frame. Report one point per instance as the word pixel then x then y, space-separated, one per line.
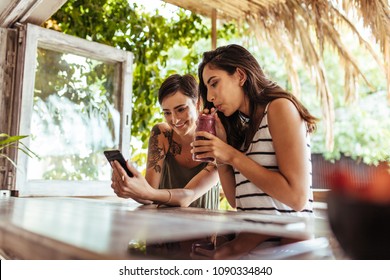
pixel 38 37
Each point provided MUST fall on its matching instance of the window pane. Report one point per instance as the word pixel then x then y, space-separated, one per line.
pixel 75 117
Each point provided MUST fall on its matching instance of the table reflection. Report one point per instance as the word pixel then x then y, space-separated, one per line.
pixel 185 249
pixel 205 248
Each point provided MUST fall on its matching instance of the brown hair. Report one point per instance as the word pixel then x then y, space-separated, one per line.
pixel 257 87
pixel 186 84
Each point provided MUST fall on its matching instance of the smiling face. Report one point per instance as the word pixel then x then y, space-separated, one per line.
pixel 180 113
pixel 225 91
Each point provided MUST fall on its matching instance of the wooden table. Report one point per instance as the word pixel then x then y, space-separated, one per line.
pixel 84 228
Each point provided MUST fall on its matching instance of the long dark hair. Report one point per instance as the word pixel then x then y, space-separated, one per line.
pixel 257 87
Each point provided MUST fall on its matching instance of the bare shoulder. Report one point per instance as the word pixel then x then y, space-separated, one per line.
pixel 283 109
pixel 160 134
pixel 281 104
pixel 161 129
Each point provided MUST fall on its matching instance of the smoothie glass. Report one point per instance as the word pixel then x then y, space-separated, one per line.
pixel 204 123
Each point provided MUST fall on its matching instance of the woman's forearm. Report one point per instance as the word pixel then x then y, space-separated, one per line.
pixel 195 188
pixel 228 182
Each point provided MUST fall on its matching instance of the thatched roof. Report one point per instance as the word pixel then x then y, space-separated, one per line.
pixel 227 9
pixel 302 27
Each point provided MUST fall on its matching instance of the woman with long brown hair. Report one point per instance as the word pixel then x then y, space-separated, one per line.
pixel 262 146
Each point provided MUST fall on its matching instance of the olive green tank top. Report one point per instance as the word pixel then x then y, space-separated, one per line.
pixel 173 176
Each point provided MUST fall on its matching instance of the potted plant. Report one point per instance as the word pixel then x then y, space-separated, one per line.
pixel 12 142
pixel 7 141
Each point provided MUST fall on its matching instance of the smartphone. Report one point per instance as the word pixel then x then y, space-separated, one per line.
pixel 112 155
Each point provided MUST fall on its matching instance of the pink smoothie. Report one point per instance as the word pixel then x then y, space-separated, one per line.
pixel 204 123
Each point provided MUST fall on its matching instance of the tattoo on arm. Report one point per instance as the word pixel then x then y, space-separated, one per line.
pixel 155 152
pixel 175 148
pixel 168 134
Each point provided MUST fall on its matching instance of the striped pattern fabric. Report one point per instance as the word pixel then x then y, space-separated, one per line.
pixel 250 197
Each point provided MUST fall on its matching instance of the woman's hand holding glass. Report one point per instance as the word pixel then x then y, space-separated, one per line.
pixel 214 146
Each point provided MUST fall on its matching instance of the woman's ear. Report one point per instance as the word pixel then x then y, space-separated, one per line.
pixel 241 75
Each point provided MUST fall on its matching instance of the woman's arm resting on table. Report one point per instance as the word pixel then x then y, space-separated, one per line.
pixel 139 189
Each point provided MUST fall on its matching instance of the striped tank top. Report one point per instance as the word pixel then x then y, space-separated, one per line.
pixel 250 197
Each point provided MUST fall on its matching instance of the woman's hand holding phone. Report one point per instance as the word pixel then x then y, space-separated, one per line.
pixel 127 182
pixel 112 155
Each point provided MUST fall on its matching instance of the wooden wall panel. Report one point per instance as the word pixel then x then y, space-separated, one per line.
pixel 8 49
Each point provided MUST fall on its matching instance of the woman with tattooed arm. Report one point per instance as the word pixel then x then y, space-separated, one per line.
pixel 172 177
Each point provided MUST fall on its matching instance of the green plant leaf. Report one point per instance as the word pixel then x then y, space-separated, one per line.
pixel 10 160
pixel 27 151
pixel 9 139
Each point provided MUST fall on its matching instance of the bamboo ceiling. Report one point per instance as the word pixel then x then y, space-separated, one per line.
pixel 301 28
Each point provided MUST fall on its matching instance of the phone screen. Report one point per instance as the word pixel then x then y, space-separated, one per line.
pixel 112 155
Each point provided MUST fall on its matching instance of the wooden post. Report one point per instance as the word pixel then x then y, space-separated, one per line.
pixel 3 80
pixel 214 29
pixel 8 53
pixel 3 97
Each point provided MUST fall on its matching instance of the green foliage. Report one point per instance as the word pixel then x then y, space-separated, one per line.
pixel 362 132
pixel 149 37
pixel 361 128
pixel 7 141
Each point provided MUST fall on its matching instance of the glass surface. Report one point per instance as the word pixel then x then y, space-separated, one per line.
pixel 178 250
pixel 75 117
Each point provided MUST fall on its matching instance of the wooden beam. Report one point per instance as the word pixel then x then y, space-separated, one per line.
pixel 28 11
pixel 214 29
pixel 14 11
pixel 8 49
pixel 43 11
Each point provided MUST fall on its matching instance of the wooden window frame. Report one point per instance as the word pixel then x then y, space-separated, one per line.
pixel 35 37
